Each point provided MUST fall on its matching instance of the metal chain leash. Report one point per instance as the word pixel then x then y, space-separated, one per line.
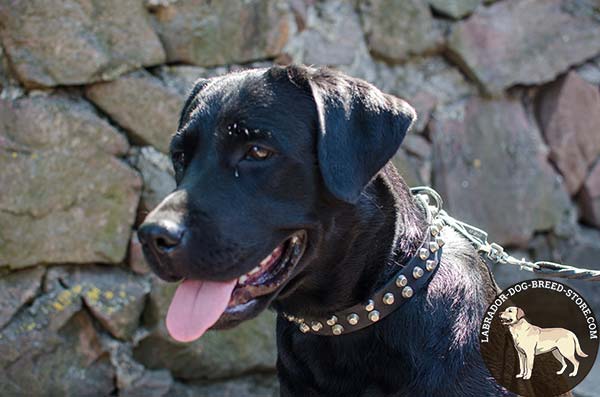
pixel 424 196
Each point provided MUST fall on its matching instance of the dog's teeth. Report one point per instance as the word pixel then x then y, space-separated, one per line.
pixel 243 279
pixel 255 270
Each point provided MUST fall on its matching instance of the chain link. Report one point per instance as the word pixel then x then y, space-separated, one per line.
pixel 431 202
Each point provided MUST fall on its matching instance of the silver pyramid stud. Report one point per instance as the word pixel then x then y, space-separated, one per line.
pixel 374 316
pixel 352 319
pixel 337 329
pixel 316 326
pixel 430 264
pixel 388 298
pixel 417 272
pixel 401 281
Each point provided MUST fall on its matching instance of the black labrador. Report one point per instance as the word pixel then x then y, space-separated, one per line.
pixel 286 199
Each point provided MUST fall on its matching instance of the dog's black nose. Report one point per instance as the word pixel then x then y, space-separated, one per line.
pixel 162 237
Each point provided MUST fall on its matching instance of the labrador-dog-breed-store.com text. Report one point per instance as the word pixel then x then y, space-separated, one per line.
pixel 286 199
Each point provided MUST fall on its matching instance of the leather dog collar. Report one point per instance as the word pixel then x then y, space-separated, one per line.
pixel 398 290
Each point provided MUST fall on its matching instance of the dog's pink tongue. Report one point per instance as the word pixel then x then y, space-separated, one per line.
pixel 196 306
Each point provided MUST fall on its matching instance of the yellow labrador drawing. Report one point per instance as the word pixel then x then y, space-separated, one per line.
pixel 530 340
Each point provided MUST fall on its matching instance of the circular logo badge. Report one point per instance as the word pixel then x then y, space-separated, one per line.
pixel 539 338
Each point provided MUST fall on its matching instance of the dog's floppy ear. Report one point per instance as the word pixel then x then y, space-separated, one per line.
pixel 359 130
pixel 520 313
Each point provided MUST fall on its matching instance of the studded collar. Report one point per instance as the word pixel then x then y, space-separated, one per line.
pixel 398 290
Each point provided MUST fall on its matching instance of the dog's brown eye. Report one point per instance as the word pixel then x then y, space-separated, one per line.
pixel 258 153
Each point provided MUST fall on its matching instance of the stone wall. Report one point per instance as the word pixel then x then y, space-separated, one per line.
pixel 508 99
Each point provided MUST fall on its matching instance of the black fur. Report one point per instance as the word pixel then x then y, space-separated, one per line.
pixel 332 135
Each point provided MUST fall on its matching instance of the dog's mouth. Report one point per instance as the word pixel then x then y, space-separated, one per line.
pixel 270 274
pixel 198 304
pixel 505 321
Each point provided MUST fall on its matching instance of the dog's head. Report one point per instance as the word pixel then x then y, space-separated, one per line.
pixel 511 315
pixel 261 159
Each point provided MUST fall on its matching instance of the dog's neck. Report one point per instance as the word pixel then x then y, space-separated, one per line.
pixel 363 242
pixel 520 324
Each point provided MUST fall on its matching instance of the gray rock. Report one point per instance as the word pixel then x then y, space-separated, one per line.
pixel 490 166
pixel 137 261
pixel 218 354
pixel 56 42
pixel 516 42
pixel 413 160
pixel 426 83
pixel 116 298
pixel 9 86
pixel 455 9
pixel 259 385
pixel 133 380
pixel 418 146
pixel 590 71
pixel 182 78
pixel 569 114
pixel 143 105
pixel 415 171
pixel 589 198
pixel 66 197
pixel 331 35
pixel 220 32
pixel 53 349
pixel 17 289
pixel 157 173
pixel 396 30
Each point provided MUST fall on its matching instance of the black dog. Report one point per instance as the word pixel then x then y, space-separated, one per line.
pixel 285 198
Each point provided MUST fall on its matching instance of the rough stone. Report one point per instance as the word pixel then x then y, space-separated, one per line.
pixel 116 298
pixel 413 160
pixel 133 380
pixel 51 349
pixel 418 146
pixel 219 32
pixel 491 167
pixel 260 385
pixel 426 83
pixel 182 78
pixel 16 289
pixel 396 30
pixel 590 71
pixel 157 173
pixel 331 35
pixel 57 42
pixel 143 105
pixel 455 9
pixel 589 199
pixel 65 197
pixel 137 261
pixel 569 114
pixel 516 42
pixel 218 354
pixel 9 86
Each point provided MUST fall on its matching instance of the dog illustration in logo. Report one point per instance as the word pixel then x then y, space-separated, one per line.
pixel 530 340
